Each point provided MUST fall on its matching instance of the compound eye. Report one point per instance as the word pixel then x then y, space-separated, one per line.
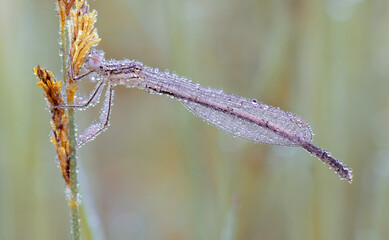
pixel 94 61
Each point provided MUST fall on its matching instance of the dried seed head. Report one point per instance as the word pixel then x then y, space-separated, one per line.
pixel 82 34
pixel 59 118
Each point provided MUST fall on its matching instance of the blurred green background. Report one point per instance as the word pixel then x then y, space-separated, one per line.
pixel 161 173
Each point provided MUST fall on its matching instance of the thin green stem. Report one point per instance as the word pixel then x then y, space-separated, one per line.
pixel 75 215
pixel 73 181
pixel 63 49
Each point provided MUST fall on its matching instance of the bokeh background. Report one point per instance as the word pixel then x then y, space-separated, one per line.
pixel 161 173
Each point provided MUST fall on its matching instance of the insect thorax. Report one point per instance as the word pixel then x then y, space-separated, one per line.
pixel 124 72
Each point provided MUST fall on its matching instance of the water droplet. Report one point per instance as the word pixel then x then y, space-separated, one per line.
pixel 254 101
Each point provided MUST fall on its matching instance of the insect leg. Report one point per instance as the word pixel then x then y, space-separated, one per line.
pixel 95 129
pixel 94 97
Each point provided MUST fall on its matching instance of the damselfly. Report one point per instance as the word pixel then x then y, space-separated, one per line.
pixel 241 117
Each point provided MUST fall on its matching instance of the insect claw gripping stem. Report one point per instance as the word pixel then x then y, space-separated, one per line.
pixel 82 76
pixel 94 97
